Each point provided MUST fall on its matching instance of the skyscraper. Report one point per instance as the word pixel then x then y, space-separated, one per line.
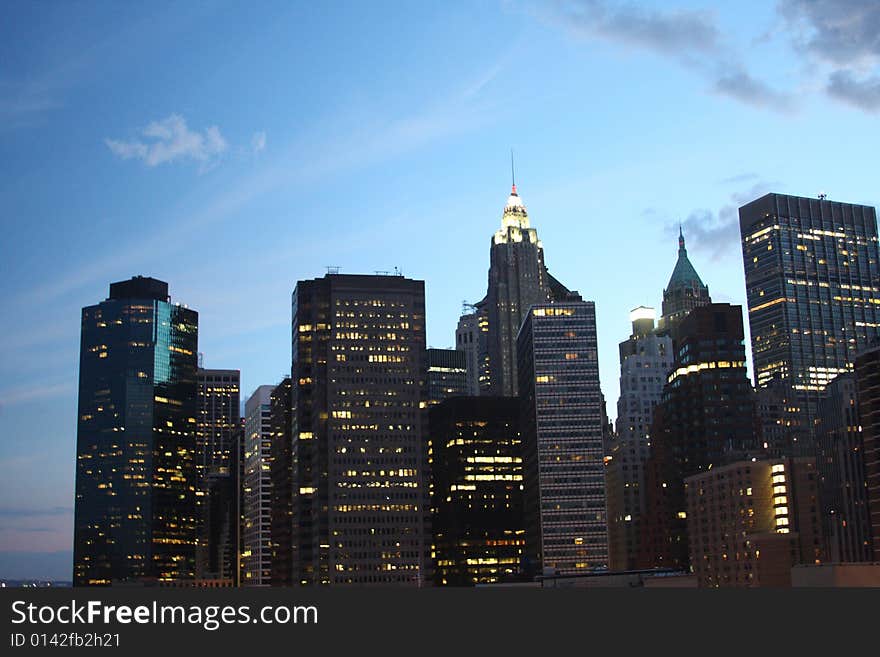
pixel 706 418
pixel 447 374
pixel 136 479
pixel 563 459
pixel 645 360
pixel 218 420
pixel 257 490
pixel 359 446
pixel 518 279
pixel 813 288
pixel 684 292
pixel 281 473
pixel 841 466
pixel 477 502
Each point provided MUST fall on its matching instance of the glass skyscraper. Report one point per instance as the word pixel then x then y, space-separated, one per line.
pixel 136 479
pixel 813 288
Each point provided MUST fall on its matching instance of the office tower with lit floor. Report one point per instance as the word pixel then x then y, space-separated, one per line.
pixel 359 369
pixel 218 420
pixel 812 270
pixel 137 432
pixel 477 499
pixel 563 456
pixel 257 489
pixel 447 374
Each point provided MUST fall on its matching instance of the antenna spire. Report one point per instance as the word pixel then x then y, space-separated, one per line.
pixel 512 173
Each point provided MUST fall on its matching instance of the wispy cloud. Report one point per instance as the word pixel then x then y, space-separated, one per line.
pixel 690 38
pixel 9 512
pixel 741 86
pixel 170 140
pixel 258 142
pixel 23 394
pixel 863 93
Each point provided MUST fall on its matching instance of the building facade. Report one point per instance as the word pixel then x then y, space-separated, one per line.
pixel 218 420
pixel 645 361
pixel 867 370
pixel 257 489
pixel 281 474
pixel 750 521
pixel 813 289
pixel 359 446
pixel 563 456
pixel 477 498
pixel 136 478
pixel 841 464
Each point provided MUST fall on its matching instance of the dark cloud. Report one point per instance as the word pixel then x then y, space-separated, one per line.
pixel 846 35
pixel 840 31
pixel 669 33
pixel 717 233
pixel 743 87
pixel 864 93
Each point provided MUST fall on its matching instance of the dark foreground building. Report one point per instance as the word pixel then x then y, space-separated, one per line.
pixel 868 380
pixel 477 501
pixel 360 500
pixel 136 479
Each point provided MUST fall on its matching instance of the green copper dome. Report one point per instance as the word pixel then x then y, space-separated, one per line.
pixel 684 273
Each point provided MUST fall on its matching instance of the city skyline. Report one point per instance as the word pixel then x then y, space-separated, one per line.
pixel 410 168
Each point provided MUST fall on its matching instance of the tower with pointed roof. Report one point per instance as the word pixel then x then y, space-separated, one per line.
pixel 684 292
pixel 518 279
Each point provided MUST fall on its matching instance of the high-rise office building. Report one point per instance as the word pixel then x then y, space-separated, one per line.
pixel 281 475
pixel 706 418
pixel 470 337
pixel 359 446
pixel 218 420
pixel 477 502
pixel 813 288
pixel 136 480
pixel 750 521
pixel 447 374
pixel 684 292
pixel 841 465
pixel 645 360
pixel 563 459
pixel 257 490
pixel 867 370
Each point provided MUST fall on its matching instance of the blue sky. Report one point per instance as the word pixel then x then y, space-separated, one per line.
pixel 232 149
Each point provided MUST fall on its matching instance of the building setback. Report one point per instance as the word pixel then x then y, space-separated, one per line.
pixel 257 489
pixel 447 374
pixel 136 480
pixel 470 337
pixel 218 421
pixel 565 506
pixel 750 521
pixel 841 465
pixel 477 498
pixel 813 288
pixel 645 360
pixel 359 447
pixel 867 369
